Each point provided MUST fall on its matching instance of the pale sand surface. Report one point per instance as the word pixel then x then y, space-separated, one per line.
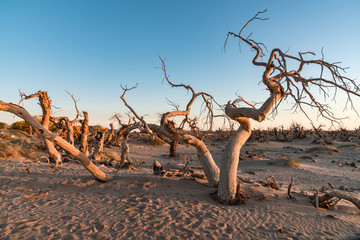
pixel 136 204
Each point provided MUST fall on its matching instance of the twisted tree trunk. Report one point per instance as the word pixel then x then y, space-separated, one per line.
pixel 99 148
pixel 45 104
pixel 70 131
pixel 45 133
pixel 228 170
pixel 229 166
pixel 108 139
pixel 206 160
pixel 173 146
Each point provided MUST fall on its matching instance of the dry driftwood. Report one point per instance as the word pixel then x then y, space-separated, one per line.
pixel 171 170
pixel 84 134
pixel 36 194
pixel 289 188
pixel 330 199
pixel 99 146
pixel 45 133
pixel 108 139
pixel 271 182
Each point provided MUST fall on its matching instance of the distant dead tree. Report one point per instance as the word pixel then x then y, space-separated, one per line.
pixel 125 161
pixel 84 132
pixel 53 138
pixel 282 83
pixel 166 128
pixel 69 124
pixel 111 134
pixel 119 133
pixel 45 104
pixel 99 144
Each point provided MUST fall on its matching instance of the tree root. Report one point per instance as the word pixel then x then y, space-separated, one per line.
pixel 330 199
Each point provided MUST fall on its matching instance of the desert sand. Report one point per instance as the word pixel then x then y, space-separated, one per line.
pixel 68 203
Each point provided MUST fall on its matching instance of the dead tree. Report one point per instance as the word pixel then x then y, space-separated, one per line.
pixel 125 161
pixel 99 145
pixel 282 83
pixel 84 134
pixel 108 139
pixel 45 104
pixel 69 124
pixel 116 138
pixel 46 134
pixel 173 142
pixel 206 160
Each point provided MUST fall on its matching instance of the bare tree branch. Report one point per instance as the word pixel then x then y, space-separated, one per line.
pixel 293 84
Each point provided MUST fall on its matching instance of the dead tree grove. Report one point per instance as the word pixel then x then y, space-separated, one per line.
pixel 282 84
pixel 207 162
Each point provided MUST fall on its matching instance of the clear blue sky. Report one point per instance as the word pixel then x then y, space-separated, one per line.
pixel 90 47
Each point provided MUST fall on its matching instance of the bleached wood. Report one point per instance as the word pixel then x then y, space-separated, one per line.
pixel 84 134
pixel 45 133
pixel 206 160
pixel 230 162
pixel 45 104
pixel 228 169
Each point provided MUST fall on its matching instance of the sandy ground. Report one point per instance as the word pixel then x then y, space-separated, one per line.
pixel 136 204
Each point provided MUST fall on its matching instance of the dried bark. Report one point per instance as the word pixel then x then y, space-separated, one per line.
pixel 99 146
pixel 173 145
pixel 84 134
pixel 125 148
pixel 228 170
pixel 70 130
pixel 108 139
pixel 330 199
pixel 45 133
pixel 45 104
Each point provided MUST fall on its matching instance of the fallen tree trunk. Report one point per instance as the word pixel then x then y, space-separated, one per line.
pixel 45 133
pixel 330 199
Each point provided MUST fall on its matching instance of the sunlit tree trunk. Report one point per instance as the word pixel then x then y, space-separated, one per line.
pixel 230 161
pixel 45 104
pixel 45 133
pixel 99 147
pixel 84 134
pixel 229 166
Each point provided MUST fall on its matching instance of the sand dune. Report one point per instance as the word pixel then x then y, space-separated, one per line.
pixel 68 203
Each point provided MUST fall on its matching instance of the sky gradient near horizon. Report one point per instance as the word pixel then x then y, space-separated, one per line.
pixel 91 47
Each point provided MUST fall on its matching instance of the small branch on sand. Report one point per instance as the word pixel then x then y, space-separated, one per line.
pixel 36 194
pixel 289 188
pixel 271 182
pixel 26 168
